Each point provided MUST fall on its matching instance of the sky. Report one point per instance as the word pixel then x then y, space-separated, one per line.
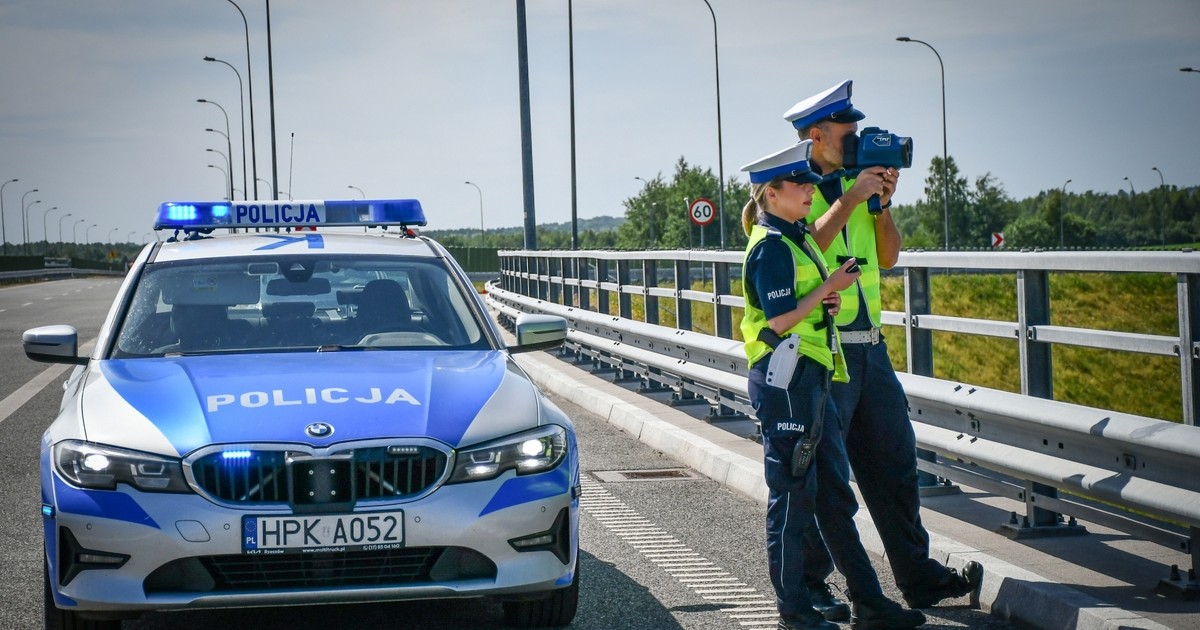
pixel 413 98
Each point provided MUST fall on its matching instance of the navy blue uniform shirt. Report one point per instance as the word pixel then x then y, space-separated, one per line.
pixel 770 273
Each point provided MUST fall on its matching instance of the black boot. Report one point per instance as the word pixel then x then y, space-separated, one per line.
pixel 953 584
pixel 826 603
pixel 881 613
pixel 807 620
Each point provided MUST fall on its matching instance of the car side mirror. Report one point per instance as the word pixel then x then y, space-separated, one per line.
pixel 539 332
pixel 53 344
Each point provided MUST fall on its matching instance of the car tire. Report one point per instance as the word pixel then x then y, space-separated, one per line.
pixel 555 610
pixel 59 619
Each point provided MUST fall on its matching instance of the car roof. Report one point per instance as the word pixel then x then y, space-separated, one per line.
pixel 272 244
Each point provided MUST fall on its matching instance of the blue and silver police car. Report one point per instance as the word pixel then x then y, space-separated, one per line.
pixel 276 415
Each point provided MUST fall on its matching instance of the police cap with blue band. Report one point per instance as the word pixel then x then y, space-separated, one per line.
pixel 791 164
pixel 832 104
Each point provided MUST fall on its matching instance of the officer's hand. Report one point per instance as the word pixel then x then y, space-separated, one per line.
pixel 845 275
pixel 891 177
pixel 832 303
pixel 868 183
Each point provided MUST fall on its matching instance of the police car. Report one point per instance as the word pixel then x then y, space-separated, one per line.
pixel 276 416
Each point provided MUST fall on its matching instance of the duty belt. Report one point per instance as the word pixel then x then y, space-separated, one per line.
pixel 860 336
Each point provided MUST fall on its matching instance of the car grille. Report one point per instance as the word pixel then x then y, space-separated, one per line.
pixel 278 477
pixel 393 567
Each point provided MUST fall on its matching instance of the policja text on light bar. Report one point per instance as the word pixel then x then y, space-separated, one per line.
pixel 204 215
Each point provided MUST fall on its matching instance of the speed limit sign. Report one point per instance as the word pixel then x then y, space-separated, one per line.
pixel 702 212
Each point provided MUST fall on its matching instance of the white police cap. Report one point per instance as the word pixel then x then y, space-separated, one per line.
pixel 832 104
pixel 791 164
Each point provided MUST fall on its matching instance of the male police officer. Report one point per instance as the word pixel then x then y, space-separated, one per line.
pixel 872 406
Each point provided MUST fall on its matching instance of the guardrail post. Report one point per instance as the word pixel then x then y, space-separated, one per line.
pixel 650 280
pixel 916 303
pixel 543 270
pixel 584 271
pixel 723 315
pixel 1037 372
pixel 624 300
pixel 554 281
pixel 683 308
pixel 602 305
pixel 1188 289
pixel 919 344
pixel 1033 309
pixel 570 272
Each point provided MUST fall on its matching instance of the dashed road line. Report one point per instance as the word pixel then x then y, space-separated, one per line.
pixel 742 603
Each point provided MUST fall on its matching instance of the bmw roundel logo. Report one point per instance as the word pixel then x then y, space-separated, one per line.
pixel 319 430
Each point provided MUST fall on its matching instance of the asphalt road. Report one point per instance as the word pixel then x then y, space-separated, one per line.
pixel 675 552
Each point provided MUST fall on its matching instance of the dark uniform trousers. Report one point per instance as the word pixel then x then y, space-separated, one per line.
pixel 881 446
pixel 824 491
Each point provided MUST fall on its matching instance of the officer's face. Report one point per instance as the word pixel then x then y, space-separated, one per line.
pixel 791 201
pixel 828 140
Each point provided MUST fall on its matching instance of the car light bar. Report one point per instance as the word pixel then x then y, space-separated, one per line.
pixel 205 215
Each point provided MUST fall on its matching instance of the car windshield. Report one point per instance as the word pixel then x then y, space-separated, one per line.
pixel 300 304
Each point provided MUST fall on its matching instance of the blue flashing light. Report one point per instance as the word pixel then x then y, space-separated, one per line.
pixel 47 511
pixel 206 215
pixel 230 455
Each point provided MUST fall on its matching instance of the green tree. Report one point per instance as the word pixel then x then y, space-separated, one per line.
pixel 1030 231
pixel 657 218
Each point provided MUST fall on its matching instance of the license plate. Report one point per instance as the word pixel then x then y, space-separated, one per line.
pixel 312 533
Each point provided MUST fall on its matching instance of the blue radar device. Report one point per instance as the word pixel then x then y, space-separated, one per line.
pixel 208 215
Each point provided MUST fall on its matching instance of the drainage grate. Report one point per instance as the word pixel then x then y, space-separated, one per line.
pixel 651 474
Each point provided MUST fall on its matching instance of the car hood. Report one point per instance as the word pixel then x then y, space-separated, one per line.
pixel 175 405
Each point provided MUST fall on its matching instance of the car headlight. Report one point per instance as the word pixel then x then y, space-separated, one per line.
pixel 100 467
pixel 531 452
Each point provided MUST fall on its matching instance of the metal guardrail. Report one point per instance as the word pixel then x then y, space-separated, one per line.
pixel 1021 446
pixel 575 277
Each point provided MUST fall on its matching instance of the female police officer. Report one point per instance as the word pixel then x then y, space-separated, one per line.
pixel 794 353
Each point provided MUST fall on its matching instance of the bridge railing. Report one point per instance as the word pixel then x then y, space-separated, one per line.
pixel 1132 473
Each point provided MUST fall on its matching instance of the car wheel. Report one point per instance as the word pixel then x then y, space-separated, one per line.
pixel 58 619
pixel 556 609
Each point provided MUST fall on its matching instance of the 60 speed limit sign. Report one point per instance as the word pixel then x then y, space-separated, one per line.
pixel 702 211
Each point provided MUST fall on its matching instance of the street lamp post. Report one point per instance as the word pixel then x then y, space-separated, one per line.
pixel 75 231
pixel 720 152
pixel 250 90
pixel 229 148
pixel 945 154
pixel 87 239
pixel 228 159
pixel 364 195
pixel 45 234
pixel 242 103
pixel 1062 207
pixel 110 235
pixel 1131 190
pixel 24 229
pixel 224 175
pixel 480 191
pixel 130 236
pixel 60 220
pixel 25 217
pixel 3 232
pixel 1162 221
pixel 1188 70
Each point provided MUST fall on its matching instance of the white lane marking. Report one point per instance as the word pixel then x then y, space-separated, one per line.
pixel 15 400
pixel 743 603
pixel 27 304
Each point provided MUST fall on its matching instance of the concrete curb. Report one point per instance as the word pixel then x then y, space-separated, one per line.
pixel 1008 591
